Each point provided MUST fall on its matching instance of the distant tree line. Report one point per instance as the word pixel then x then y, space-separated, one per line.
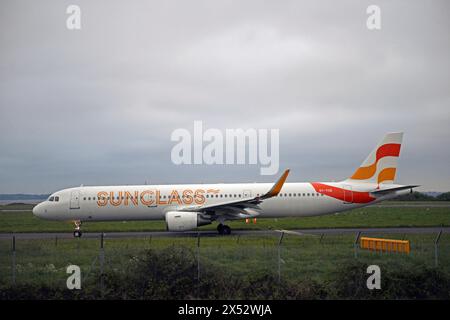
pixel 419 196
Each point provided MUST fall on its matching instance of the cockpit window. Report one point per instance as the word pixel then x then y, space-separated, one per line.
pixel 51 199
pixel 56 198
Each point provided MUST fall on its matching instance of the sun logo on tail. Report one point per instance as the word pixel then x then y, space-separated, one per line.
pixel 381 164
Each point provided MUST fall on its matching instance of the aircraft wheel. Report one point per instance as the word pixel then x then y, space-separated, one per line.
pixel 77 233
pixel 226 230
pixel 220 228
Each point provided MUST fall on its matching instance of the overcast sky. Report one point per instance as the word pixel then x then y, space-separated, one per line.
pixel 97 106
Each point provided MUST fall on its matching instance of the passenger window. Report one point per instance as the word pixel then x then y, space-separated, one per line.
pixel 84 198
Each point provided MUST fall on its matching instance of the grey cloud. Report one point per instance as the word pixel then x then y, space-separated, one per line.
pixel 97 106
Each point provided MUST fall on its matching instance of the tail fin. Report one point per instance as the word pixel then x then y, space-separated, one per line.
pixel 381 164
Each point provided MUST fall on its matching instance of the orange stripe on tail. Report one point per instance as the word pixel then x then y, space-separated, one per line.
pixel 387 174
pixel 386 150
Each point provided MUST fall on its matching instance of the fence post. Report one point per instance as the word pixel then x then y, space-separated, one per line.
pixel 436 248
pixel 279 256
pixel 14 260
pixel 198 264
pixel 358 235
pixel 101 258
pixel 198 256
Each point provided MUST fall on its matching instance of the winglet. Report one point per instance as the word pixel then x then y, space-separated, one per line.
pixel 277 186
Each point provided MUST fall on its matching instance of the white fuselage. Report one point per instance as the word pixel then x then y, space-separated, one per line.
pixel 151 202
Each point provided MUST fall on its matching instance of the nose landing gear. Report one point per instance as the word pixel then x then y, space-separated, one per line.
pixel 223 229
pixel 77 233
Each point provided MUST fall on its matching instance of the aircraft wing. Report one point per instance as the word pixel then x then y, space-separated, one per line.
pixel 236 208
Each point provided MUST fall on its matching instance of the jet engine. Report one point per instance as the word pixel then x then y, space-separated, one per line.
pixel 185 220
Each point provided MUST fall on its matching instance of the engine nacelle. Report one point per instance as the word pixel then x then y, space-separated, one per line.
pixel 185 220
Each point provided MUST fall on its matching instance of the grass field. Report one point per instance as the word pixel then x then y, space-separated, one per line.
pixel 21 220
pixel 303 262
pixel 305 258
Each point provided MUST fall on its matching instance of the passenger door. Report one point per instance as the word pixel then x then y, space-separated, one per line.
pixel 75 200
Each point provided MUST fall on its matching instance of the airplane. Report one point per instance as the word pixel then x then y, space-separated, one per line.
pixel 189 206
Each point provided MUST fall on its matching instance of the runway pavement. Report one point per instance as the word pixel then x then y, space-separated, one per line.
pixel 212 233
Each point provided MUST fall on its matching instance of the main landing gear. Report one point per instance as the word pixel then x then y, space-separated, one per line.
pixel 77 233
pixel 223 229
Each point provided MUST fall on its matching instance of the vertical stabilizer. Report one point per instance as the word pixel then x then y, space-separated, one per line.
pixel 381 164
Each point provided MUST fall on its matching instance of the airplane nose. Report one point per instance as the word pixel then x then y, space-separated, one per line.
pixel 37 210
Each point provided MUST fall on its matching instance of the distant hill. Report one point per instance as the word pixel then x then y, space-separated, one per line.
pixel 443 196
pixel 23 196
pixel 432 193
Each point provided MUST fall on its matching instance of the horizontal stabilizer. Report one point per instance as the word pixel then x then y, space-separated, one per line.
pixel 386 191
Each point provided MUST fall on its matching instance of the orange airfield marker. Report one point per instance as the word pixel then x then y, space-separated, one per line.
pixel 385 245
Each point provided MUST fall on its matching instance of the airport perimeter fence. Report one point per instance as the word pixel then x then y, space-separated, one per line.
pixel 283 256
